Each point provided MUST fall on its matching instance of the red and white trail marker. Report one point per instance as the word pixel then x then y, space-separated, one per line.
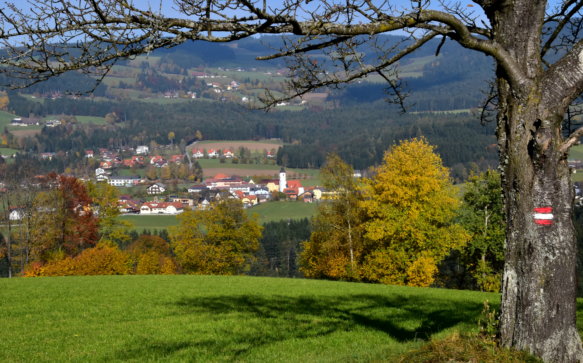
pixel 543 216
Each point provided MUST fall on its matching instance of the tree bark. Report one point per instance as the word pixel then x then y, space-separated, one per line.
pixel 538 310
pixel 539 290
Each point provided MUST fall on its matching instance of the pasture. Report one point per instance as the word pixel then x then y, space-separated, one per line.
pixel 212 167
pixel 266 212
pixel 214 318
pixel 234 145
pixel 150 222
pixel 277 211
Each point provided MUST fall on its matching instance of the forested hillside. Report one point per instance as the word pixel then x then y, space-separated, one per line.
pixel 360 133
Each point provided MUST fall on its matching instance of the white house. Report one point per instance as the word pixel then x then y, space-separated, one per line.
pixel 142 150
pixel 16 214
pixel 124 181
pixel 197 154
pixel 212 153
pixel 157 188
pixel 161 208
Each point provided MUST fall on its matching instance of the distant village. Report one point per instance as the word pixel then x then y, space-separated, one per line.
pixel 200 195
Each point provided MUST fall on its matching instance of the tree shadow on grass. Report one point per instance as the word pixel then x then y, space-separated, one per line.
pixel 248 322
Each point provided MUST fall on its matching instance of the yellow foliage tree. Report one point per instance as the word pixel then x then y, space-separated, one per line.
pixel 4 101
pixel 411 204
pixel 221 240
pixel 148 263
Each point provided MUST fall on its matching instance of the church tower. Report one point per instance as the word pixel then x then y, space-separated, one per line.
pixel 282 180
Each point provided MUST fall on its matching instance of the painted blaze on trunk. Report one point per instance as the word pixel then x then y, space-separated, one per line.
pixel 539 290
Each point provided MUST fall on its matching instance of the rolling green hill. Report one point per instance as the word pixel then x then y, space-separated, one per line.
pixel 213 318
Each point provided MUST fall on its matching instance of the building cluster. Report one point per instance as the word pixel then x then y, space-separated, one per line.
pixel 109 160
pixel 221 186
pixel 33 121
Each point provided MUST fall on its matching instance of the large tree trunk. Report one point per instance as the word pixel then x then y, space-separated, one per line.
pixel 539 289
pixel 538 311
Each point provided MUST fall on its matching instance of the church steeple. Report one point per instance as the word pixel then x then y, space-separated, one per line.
pixel 282 180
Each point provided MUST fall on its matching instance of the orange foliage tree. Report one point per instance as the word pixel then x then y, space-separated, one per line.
pixel 104 259
pixel 63 220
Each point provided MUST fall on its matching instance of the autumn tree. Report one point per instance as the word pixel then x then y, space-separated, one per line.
pixel 335 248
pixel 151 255
pixel 103 259
pixel 221 240
pixel 482 215
pixel 411 205
pixel 536 47
pixel 105 198
pixel 63 220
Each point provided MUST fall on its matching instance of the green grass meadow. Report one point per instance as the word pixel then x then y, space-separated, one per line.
pixel 283 210
pixel 141 222
pixel 267 212
pixel 214 319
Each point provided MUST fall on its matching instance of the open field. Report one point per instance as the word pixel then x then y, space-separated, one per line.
pixel 21 132
pixel 141 222
pixel 213 318
pixel 5 118
pixel 576 152
pixel 243 171
pixel 212 167
pixel 91 120
pixel 267 212
pixel 234 145
pixel 8 151
pixel 277 211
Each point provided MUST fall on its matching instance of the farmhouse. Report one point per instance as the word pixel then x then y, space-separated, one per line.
pixel 157 188
pixel 212 153
pixel 228 154
pixel 177 159
pixel 186 202
pixel 161 208
pixel 198 153
pixel 142 150
pixel 126 206
pixel 16 214
pixel 25 121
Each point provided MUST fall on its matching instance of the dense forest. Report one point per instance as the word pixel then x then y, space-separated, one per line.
pixel 360 133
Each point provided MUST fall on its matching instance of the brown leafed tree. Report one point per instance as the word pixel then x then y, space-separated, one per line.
pixel 535 44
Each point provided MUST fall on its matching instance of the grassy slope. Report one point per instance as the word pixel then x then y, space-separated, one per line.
pixel 276 211
pixel 209 318
pixel 5 118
